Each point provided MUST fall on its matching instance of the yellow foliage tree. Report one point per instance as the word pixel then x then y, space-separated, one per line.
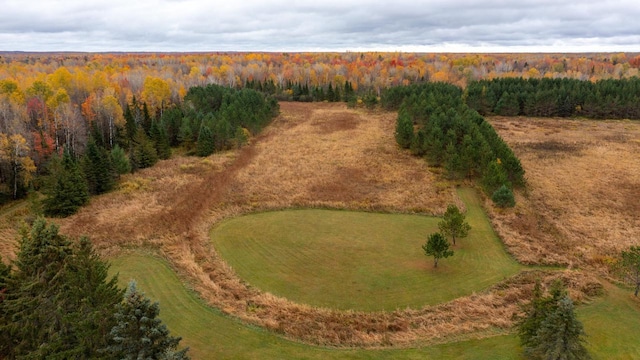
pixel 15 151
pixel 156 92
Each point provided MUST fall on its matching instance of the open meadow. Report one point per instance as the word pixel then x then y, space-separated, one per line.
pixel 235 297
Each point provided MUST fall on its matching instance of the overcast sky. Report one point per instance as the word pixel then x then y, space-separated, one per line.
pixel 320 25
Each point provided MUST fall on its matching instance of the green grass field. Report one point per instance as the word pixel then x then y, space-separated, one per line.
pixel 612 323
pixel 361 261
pixel 212 335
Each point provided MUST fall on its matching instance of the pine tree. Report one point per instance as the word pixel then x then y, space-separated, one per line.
pixel 67 188
pixel 494 177
pixel 404 129
pixel 139 333
pixel 503 197
pixel 438 247
pixel 453 224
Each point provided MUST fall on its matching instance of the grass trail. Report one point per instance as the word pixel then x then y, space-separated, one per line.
pixel 212 335
pixel 612 323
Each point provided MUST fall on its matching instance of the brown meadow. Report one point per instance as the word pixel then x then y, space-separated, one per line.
pixel 580 207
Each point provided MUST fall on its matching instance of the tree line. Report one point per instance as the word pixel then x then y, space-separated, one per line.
pixel 603 99
pixel 434 122
pixel 57 301
pixel 211 118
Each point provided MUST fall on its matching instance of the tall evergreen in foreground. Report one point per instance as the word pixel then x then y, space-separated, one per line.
pixel 139 333
pixel 550 329
pixel 58 303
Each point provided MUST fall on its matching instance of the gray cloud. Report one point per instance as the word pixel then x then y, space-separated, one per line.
pixel 276 25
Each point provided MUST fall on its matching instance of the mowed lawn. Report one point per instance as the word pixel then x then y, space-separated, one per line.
pixel 361 261
pixel 212 335
pixel 612 323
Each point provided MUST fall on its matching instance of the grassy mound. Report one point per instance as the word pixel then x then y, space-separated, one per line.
pixel 361 261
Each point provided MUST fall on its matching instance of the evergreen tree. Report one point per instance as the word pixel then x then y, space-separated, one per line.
pixel 160 140
pixel 89 301
pixel 550 329
pixel 185 134
pixel 453 224
pixel 58 302
pixel 508 105
pixel 98 169
pixel 67 188
pixel 503 197
pixel 120 161
pixel 404 129
pixel 143 154
pixel 560 336
pixel 438 247
pixel 205 145
pixel 139 333
pixel 494 177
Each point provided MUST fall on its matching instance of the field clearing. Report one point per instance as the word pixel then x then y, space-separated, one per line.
pixel 328 156
pixel 583 198
pixel 360 261
pixel 611 321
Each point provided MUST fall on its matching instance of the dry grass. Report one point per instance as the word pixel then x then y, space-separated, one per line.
pixel 335 157
pixel 325 155
pixel 583 198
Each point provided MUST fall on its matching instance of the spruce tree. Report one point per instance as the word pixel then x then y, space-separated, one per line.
pixel 160 140
pixel 59 303
pixel 120 161
pixel 205 145
pixel 185 134
pixel 67 188
pixel 139 333
pixel 561 335
pixel 143 154
pixel 98 169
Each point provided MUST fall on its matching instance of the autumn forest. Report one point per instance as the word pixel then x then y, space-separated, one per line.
pixel 50 102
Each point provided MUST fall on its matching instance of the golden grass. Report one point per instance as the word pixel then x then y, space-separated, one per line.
pixel 583 199
pixel 325 155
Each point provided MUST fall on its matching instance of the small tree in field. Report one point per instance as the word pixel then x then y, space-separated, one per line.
pixel 453 224
pixel 629 267
pixel 438 247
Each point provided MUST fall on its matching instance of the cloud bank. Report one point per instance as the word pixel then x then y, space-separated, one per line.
pixel 275 25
